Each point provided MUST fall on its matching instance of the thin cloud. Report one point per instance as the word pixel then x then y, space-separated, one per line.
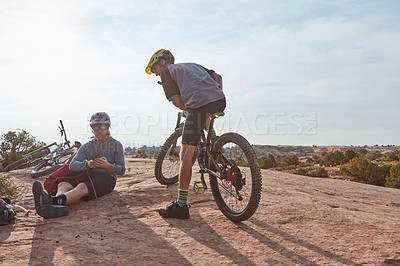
pixel 69 59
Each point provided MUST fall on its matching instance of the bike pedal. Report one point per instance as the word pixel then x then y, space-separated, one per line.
pixel 199 188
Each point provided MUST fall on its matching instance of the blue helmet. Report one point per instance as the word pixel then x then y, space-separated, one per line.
pixel 100 118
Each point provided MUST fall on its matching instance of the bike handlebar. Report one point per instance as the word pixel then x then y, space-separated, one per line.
pixel 63 133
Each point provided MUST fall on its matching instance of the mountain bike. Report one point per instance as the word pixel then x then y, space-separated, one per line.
pixel 54 160
pixel 231 163
pixel 30 159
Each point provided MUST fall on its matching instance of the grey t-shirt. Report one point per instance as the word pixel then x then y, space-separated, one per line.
pixel 192 82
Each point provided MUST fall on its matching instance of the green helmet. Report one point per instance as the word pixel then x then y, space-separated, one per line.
pixel 160 54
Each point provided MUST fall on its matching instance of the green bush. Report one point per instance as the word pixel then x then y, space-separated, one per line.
pixel 313 172
pixel 362 151
pixel 301 171
pixel 141 154
pixel 288 160
pixel 362 170
pixel 266 162
pixel 391 156
pixel 394 179
pixel 15 144
pixel 241 162
pixel 7 188
pixel 332 158
pixel 316 158
pixel 309 160
pixel 373 155
pixel 349 154
pixel 319 172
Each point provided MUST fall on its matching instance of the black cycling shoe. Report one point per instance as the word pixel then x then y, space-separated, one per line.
pixel 40 196
pixel 174 211
pixel 52 211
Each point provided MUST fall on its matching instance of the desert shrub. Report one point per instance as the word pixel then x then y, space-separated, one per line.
pixel 141 154
pixel 272 159
pixel 363 151
pixel 393 180
pixel 241 162
pixel 362 170
pixel 356 168
pixel 266 162
pixel 7 188
pixel 391 156
pixel 317 158
pixel 319 172
pixel 301 171
pixel 309 160
pixel 288 160
pixel 313 172
pixel 379 174
pixel 373 155
pixel 332 158
pixel 349 154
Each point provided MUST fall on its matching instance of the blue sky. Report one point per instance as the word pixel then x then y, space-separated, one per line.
pixel 295 72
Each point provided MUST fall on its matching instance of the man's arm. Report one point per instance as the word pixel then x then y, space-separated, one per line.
pixel 177 101
pixel 218 79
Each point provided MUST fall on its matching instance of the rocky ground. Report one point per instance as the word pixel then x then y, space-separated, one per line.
pixel 300 221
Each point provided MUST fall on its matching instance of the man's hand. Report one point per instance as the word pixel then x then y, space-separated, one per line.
pixel 101 163
pixel 177 101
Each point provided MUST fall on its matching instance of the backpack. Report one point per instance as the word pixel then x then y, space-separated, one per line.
pixel 64 175
pixel 7 211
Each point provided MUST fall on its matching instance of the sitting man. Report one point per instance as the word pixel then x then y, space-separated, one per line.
pixel 103 156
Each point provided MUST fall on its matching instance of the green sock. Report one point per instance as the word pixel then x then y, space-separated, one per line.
pixel 182 197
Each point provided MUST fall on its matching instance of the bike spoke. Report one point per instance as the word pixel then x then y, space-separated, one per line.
pixel 235 188
pixel 171 163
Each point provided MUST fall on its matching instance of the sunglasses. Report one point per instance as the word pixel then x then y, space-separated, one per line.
pixel 102 128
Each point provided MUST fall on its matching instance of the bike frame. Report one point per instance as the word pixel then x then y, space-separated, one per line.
pixel 202 152
pixel 28 157
pixel 60 146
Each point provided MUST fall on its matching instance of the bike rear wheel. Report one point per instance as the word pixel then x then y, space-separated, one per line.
pixel 238 191
pixel 27 159
pixel 168 162
pixel 48 166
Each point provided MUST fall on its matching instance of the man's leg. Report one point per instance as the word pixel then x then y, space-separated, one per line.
pixel 63 187
pixel 76 194
pixel 179 209
pixel 67 194
pixel 46 205
pixel 185 173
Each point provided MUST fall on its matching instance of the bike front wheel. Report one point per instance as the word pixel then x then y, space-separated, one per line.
pixel 237 191
pixel 168 162
pixel 48 166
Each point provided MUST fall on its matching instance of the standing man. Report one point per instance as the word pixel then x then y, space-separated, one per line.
pixel 198 91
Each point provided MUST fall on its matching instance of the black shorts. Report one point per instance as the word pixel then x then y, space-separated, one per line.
pixel 196 121
pixel 103 183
